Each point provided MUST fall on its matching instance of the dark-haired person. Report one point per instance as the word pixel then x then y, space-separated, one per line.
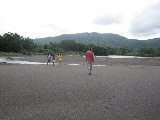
pixel 60 58
pixel 90 60
pixel 48 59
pixel 53 59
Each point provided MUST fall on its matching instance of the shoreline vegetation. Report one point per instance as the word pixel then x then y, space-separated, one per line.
pixel 14 44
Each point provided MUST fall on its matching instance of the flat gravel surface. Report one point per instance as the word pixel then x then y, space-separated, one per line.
pixel 113 92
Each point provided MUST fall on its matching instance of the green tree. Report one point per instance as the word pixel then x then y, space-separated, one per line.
pixel 28 45
pixel 146 51
pixel 12 42
pixel 157 52
pixel 123 50
pixel 69 45
pixel 98 50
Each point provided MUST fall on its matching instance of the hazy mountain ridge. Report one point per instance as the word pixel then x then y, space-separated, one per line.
pixel 105 39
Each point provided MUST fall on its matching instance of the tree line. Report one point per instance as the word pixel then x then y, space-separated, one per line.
pixel 12 42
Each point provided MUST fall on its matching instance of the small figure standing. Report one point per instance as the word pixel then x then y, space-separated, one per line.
pixel 60 58
pixel 53 59
pixel 48 59
pixel 90 60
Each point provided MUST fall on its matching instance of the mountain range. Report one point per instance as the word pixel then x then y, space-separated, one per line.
pixel 103 40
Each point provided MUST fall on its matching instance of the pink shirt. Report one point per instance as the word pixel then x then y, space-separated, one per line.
pixel 90 56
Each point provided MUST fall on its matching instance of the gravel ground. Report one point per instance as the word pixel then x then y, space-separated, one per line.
pixel 125 89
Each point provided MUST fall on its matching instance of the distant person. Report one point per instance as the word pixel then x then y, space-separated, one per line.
pixel 53 59
pixel 60 58
pixel 90 60
pixel 48 59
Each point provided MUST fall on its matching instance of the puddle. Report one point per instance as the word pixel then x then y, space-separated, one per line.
pixel 13 61
pixel 99 65
pixel 73 64
pixel 3 60
pixel 119 56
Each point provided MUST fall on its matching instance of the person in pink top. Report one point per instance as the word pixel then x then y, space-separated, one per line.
pixel 90 60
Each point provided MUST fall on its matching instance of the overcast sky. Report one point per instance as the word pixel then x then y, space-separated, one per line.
pixel 138 19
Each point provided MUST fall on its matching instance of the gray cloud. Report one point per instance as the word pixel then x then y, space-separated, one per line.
pixel 108 19
pixel 146 23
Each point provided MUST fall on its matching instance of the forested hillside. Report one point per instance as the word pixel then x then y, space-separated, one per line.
pixel 104 40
